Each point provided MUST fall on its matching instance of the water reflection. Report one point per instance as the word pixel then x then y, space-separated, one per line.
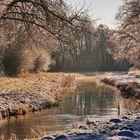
pixel 89 99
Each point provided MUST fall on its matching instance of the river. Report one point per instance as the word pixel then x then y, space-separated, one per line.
pixel 96 101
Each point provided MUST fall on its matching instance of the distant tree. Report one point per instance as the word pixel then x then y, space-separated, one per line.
pixel 72 55
pixel 127 38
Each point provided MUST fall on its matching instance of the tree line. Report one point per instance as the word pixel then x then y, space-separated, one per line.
pixel 38 35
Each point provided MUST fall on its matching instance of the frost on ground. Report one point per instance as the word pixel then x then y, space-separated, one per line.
pixel 127 84
pixel 31 92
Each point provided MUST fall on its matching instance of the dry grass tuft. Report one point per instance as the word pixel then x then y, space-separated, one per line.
pixel 68 81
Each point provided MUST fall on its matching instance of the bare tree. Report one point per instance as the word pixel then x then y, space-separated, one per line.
pixel 127 38
pixel 54 16
pixel 46 22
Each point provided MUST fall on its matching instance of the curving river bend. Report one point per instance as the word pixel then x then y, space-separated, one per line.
pixel 98 102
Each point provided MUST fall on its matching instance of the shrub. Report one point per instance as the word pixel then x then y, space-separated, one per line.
pixel 26 60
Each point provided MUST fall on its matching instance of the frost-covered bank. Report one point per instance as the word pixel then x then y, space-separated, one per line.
pixel 128 84
pixel 31 93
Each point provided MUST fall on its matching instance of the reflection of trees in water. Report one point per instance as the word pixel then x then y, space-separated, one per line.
pixel 90 99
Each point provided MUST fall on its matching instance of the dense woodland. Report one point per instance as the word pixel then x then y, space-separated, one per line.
pixel 42 35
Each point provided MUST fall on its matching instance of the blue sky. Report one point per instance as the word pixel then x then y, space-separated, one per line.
pixel 105 10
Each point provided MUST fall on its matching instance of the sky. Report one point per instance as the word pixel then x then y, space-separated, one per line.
pixel 104 10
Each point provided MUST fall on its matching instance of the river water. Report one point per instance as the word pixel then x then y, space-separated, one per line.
pixel 98 102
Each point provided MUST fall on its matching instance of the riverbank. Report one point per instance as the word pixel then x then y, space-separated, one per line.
pixel 31 92
pixel 127 84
